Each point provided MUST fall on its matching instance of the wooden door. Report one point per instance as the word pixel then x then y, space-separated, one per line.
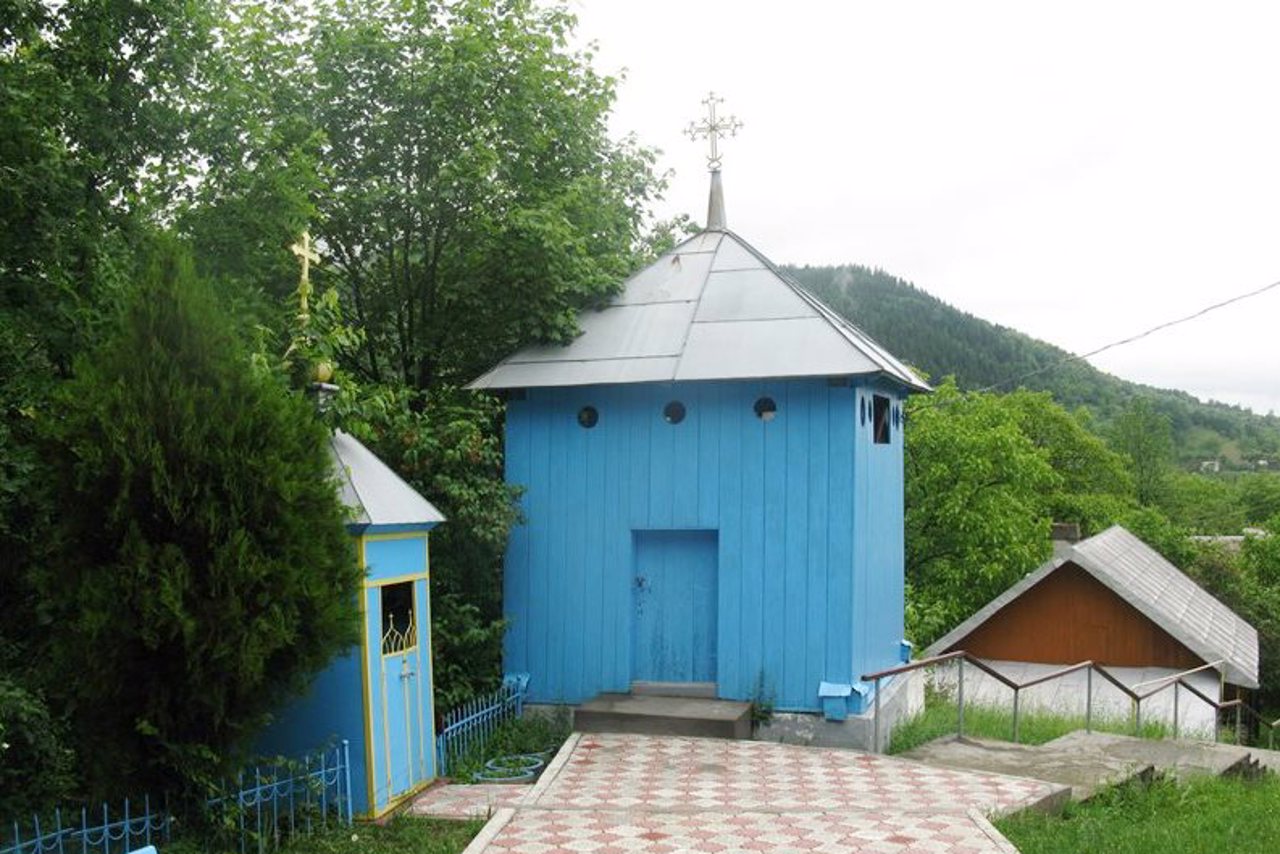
pixel 674 592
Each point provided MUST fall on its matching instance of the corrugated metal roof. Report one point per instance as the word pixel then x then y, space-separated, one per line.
pixel 1141 576
pixel 713 308
pixel 374 493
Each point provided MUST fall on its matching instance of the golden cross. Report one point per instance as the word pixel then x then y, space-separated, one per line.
pixel 713 128
pixel 307 255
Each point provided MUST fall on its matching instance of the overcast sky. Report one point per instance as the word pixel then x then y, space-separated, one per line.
pixel 1079 171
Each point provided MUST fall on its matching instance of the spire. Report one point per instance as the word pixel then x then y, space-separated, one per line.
pixel 715 204
pixel 712 128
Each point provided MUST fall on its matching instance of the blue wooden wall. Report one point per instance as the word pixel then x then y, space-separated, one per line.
pixel 806 512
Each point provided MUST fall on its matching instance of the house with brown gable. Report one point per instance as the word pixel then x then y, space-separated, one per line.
pixel 1113 600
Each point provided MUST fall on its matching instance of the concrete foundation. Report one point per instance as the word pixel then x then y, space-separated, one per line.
pixel 902 698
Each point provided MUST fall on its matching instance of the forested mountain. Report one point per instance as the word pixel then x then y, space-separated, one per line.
pixel 942 340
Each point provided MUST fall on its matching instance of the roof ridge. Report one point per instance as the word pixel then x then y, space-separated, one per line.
pixel 702 289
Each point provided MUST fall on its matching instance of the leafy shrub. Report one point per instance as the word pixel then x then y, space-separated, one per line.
pixel 36 767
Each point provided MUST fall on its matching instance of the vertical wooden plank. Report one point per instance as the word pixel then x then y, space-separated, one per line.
pixel 774 496
pixel 662 446
pixel 709 437
pixel 636 408
pixel 588 678
pixel 819 463
pixel 581 622
pixel 703 605
pixel 752 462
pixel 684 457
pixel 866 468
pixel 538 508
pixel 842 410
pixel 561 576
pixel 733 683
pixel 794 420
pixel 617 538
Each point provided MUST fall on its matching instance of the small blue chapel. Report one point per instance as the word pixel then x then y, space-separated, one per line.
pixel 378 696
pixel 712 478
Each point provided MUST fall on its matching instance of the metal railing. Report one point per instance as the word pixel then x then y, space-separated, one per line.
pixel 65 835
pixel 1176 681
pixel 278 802
pixel 266 807
pixel 470 726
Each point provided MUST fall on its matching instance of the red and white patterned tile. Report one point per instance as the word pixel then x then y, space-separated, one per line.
pixel 478 801
pixel 632 794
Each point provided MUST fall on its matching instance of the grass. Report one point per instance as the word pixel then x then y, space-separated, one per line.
pixel 939 719
pixel 1208 814
pixel 529 734
pixel 401 835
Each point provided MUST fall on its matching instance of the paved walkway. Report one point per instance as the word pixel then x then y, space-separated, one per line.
pixel 611 794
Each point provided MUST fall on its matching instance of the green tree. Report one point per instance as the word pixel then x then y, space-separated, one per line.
pixel 1259 497
pixel 87 111
pixel 1203 504
pixel 477 200
pixel 976 516
pixel 203 571
pixel 1145 436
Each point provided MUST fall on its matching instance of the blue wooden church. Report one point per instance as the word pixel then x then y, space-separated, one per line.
pixel 379 695
pixel 713 491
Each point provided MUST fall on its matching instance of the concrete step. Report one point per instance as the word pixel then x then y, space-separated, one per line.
pixel 664 716
pixel 1181 758
pixel 1083 772
pixel 1268 760
pixel 1086 761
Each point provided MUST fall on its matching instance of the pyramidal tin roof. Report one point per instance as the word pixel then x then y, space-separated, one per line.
pixel 1160 591
pixel 372 492
pixel 712 308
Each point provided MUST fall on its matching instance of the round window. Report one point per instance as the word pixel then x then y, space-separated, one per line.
pixel 587 416
pixel 673 412
pixel 766 408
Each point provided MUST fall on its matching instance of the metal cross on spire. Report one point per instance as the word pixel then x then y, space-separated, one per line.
pixel 713 128
pixel 307 255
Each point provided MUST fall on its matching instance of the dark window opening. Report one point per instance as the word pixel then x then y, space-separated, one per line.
pixel 880 418
pixel 399 632
pixel 588 417
pixel 862 411
pixel 673 412
pixel 766 408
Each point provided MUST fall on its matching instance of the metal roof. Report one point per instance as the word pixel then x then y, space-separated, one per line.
pixel 374 493
pixel 713 308
pixel 1141 576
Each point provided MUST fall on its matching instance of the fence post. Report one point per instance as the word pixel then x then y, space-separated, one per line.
pixel 1016 693
pixel 1088 699
pixel 875 717
pixel 1175 711
pixel 1137 717
pixel 960 697
pixel 346 770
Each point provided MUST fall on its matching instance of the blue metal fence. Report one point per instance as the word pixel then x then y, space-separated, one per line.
pixel 265 807
pixel 469 726
pixel 85 832
pixel 277 802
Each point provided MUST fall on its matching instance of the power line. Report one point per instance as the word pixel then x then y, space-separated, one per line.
pixel 1131 338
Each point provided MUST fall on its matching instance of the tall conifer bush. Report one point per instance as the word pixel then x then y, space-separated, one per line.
pixel 202 569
